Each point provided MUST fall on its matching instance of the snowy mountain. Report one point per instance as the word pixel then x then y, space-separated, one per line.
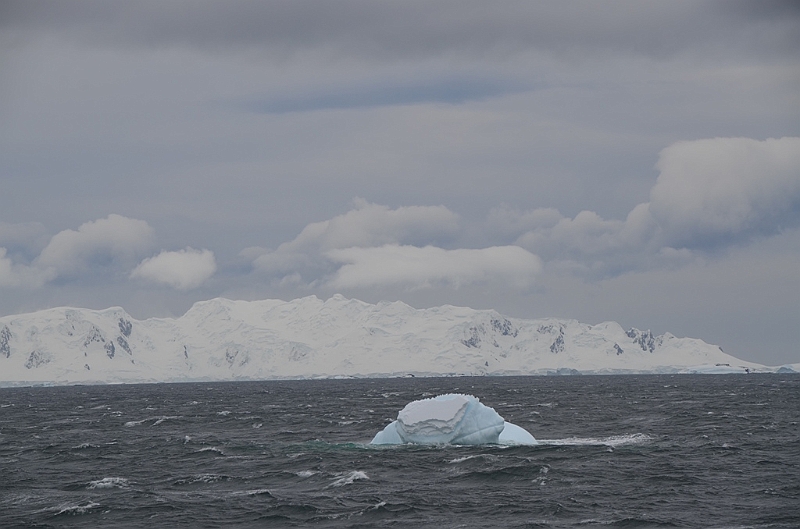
pixel 222 339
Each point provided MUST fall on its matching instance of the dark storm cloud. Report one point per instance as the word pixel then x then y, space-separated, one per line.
pixel 414 29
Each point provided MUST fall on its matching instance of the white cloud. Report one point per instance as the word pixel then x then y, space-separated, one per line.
pixel 182 270
pixel 375 246
pixel 415 267
pixel 710 193
pixel 113 240
pixel 720 190
pixel 15 275
pixel 374 225
pixel 367 225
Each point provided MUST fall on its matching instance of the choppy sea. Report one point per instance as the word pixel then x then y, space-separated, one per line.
pixel 616 451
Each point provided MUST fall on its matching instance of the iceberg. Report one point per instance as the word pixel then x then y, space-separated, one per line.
pixel 451 419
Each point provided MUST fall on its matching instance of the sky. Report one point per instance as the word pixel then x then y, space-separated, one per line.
pixel 629 161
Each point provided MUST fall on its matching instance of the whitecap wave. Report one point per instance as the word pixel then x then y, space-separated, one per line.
pixel 165 418
pixel 487 457
pixel 462 459
pixel 83 446
pixel 211 449
pixel 612 441
pixel 108 483
pixel 202 478
pixel 156 420
pixel 348 478
pixel 77 509
pixel 252 492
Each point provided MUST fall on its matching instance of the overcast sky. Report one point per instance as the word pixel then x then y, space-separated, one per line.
pixel 631 161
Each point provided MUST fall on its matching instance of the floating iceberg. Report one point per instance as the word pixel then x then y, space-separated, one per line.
pixel 451 419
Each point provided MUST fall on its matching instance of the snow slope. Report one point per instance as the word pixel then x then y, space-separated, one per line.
pixel 222 339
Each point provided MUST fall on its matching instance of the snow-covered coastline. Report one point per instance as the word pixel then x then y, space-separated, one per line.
pixel 222 339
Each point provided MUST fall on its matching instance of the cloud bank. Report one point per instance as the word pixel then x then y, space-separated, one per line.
pixel 726 190
pixel 113 240
pixel 108 246
pixel 710 194
pixel 405 30
pixel 413 267
pixel 375 246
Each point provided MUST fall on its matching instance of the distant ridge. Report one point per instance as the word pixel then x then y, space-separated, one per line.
pixel 221 339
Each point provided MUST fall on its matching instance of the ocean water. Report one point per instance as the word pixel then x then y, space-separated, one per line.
pixel 616 451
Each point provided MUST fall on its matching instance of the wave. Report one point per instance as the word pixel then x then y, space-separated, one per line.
pixel 612 441
pixel 108 483
pixel 156 420
pixel 201 478
pixel 84 446
pixel 213 449
pixel 348 478
pixel 76 509
pixel 253 492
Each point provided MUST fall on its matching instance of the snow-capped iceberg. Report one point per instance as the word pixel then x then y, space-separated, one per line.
pixel 451 419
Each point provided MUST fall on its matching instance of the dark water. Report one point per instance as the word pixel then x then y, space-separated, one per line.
pixel 622 451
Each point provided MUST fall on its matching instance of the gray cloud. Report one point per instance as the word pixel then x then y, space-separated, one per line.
pixel 25 239
pixel 722 190
pixel 535 125
pixel 393 31
pixel 452 90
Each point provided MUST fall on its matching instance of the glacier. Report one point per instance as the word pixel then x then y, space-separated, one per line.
pixel 223 339
pixel 451 419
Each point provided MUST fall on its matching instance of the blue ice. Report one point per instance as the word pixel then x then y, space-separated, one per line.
pixel 451 419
